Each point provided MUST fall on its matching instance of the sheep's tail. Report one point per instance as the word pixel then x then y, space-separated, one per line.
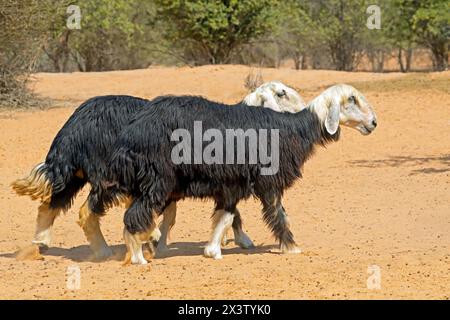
pixel 36 185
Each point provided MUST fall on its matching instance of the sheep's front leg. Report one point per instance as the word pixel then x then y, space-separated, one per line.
pixel 278 221
pixel 139 227
pixel 240 237
pixel 222 220
pixel 134 244
pixel 169 215
pixel 287 243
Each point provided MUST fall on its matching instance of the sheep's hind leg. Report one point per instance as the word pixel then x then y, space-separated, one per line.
pixel 278 221
pixel 240 237
pixel 45 219
pixel 169 215
pixel 90 223
pixel 222 220
pixel 41 242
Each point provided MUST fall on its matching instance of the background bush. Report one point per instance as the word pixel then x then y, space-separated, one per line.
pixel 129 34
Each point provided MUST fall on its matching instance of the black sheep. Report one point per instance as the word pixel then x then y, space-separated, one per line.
pixel 142 166
pixel 79 153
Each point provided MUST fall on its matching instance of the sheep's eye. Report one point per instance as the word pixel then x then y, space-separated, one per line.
pixel 281 94
pixel 352 99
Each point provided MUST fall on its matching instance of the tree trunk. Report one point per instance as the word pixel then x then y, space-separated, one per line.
pixel 377 60
pixel 381 62
pixel 299 61
pixel 303 64
pixel 409 54
pixel 400 60
pixel 440 55
pixel 372 60
pixel 59 52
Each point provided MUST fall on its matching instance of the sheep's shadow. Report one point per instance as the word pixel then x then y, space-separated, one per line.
pixel 431 164
pixel 83 253
pixel 180 249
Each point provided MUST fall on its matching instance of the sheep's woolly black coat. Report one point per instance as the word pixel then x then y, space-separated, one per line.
pixel 81 148
pixel 80 151
pixel 141 164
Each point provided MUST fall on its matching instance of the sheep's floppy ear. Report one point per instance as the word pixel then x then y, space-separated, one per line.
pixel 332 120
pixel 253 99
pixel 268 101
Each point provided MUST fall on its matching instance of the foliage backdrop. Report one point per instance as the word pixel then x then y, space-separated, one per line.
pixel 128 34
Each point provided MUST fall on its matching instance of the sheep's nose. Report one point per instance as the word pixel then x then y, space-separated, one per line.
pixel 374 122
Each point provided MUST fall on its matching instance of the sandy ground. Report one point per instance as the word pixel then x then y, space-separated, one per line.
pixel 379 200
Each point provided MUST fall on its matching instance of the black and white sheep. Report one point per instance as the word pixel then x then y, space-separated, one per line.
pixel 142 166
pixel 79 153
pixel 273 95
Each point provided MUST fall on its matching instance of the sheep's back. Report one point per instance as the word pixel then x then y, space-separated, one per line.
pixel 144 148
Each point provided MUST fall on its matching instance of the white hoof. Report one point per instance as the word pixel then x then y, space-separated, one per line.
pixel 43 238
pixel 42 243
pixel 293 249
pixel 138 260
pixel 214 252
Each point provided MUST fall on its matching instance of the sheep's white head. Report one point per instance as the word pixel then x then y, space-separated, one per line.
pixel 343 104
pixel 276 96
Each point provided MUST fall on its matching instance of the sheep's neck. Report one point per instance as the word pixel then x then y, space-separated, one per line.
pixel 311 129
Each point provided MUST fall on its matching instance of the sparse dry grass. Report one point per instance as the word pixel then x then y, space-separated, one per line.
pixel 411 82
